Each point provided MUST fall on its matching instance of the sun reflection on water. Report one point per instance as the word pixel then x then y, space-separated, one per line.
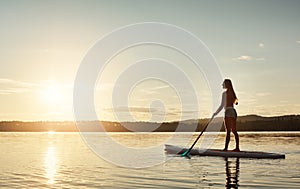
pixel 50 164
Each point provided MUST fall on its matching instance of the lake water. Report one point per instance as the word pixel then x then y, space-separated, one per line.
pixel 63 160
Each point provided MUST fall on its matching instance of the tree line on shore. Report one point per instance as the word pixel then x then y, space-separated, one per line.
pixel 244 123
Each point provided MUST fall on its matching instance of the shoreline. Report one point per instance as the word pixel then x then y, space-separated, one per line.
pixel 249 123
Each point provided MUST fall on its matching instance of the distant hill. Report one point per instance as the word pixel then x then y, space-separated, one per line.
pixel 252 118
pixel 244 123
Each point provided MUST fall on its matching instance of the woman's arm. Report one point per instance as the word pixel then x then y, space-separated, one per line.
pixel 222 105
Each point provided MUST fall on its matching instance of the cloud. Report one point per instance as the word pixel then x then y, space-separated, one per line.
pixel 243 58
pixel 298 41
pixel 261 45
pixel 171 111
pixel 9 86
pixel 149 91
pixel 247 58
pixel 155 89
pixel 131 109
pixel 263 94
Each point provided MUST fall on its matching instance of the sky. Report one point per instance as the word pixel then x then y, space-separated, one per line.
pixel 255 43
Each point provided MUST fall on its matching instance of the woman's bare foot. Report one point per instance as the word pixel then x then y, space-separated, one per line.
pixel 236 150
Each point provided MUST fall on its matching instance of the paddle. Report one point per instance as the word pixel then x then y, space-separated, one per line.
pixel 186 153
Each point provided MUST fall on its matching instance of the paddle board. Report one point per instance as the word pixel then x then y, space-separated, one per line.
pixel 171 149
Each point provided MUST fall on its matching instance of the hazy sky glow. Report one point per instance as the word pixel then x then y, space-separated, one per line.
pixel 255 43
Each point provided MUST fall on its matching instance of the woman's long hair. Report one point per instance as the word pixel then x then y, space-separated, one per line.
pixel 230 91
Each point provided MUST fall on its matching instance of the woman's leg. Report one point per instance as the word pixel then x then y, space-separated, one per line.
pixel 232 121
pixel 227 127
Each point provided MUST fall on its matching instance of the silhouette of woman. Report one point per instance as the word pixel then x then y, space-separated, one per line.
pixel 228 100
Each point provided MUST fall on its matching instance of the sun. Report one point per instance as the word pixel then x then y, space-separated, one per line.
pixel 52 95
pixel 51 132
pixel 55 100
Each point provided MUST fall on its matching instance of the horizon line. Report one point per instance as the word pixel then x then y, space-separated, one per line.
pixel 172 121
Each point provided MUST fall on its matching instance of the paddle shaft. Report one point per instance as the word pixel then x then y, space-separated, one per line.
pixel 187 152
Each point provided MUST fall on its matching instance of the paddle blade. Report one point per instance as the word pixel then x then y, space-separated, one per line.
pixel 186 153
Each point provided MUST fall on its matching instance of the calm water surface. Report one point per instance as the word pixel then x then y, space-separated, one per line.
pixel 62 160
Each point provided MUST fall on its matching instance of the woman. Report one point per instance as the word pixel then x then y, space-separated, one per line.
pixel 228 100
